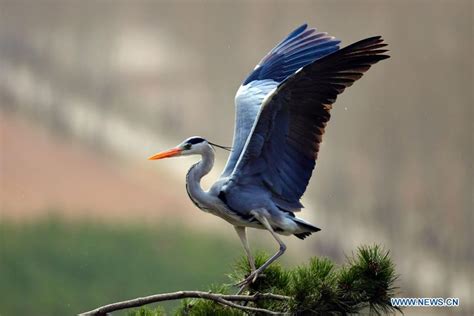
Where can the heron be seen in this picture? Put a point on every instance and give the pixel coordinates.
(282, 109)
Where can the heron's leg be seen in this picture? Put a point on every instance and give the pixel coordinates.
(253, 276)
(241, 231)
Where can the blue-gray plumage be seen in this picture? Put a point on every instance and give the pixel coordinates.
(282, 109)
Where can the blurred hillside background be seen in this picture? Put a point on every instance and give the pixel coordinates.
(89, 89)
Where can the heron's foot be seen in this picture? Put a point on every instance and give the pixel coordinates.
(250, 279)
(246, 282)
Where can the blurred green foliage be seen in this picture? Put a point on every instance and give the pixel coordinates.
(52, 267)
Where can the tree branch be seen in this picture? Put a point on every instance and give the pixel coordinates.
(219, 298)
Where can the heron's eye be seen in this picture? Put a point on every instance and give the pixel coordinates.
(187, 146)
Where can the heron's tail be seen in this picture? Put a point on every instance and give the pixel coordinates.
(307, 228)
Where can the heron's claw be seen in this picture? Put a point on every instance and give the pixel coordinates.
(250, 279)
(244, 283)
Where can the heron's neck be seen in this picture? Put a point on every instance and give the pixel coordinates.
(196, 173)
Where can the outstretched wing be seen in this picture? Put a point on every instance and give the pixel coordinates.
(301, 47)
(281, 151)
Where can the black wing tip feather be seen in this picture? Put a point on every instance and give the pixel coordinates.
(369, 45)
(382, 57)
(369, 41)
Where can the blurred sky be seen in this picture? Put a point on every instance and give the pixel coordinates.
(88, 89)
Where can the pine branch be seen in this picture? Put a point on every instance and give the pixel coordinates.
(219, 298)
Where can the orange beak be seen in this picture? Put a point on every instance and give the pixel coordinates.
(166, 154)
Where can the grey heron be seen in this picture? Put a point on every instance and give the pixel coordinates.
(282, 109)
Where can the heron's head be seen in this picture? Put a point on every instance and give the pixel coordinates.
(191, 146)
